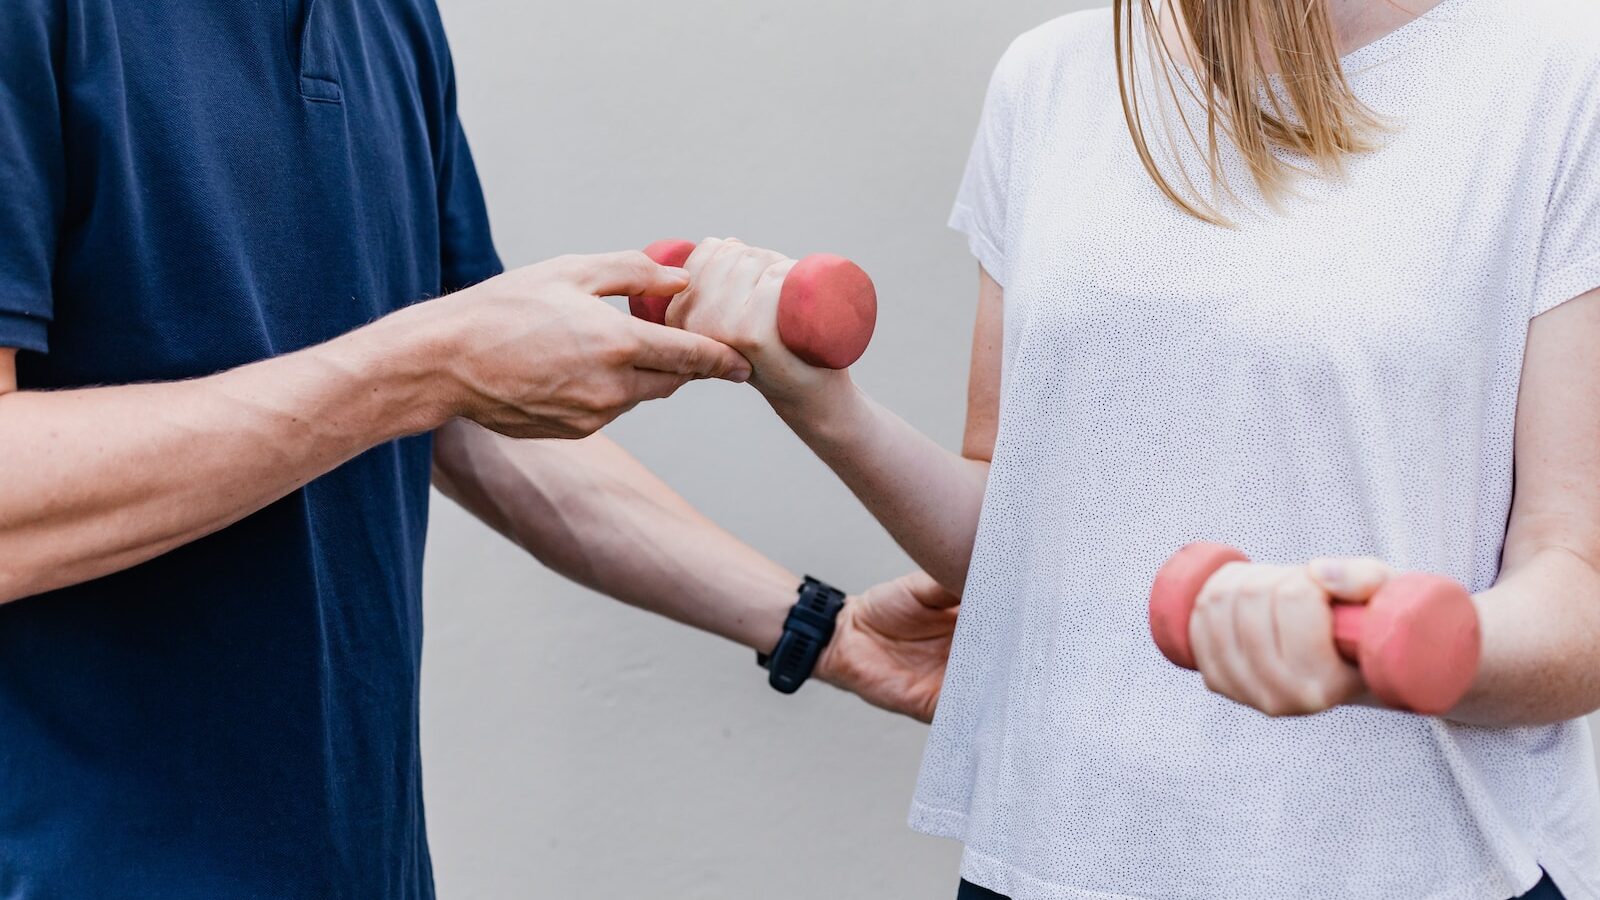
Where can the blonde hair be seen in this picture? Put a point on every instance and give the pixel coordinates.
(1307, 108)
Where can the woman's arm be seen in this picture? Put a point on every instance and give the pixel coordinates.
(594, 514)
(927, 497)
(1541, 620)
(1260, 632)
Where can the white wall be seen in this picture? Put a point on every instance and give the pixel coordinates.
(577, 749)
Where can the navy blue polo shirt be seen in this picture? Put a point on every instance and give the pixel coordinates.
(187, 186)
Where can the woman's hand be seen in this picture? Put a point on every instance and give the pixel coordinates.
(1263, 634)
(733, 298)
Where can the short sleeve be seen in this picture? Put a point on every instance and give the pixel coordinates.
(1569, 254)
(466, 249)
(32, 169)
(982, 201)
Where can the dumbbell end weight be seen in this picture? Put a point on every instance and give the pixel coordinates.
(1173, 594)
(828, 311)
(1418, 642)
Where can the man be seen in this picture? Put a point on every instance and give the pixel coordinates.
(217, 223)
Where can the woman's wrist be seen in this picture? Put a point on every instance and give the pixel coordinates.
(826, 411)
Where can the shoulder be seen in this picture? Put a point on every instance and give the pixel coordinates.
(1048, 71)
(1075, 38)
(1554, 39)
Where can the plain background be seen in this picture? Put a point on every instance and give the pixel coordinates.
(577, 749)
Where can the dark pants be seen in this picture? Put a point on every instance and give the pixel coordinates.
(1544, 890)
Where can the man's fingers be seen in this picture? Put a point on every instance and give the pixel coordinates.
(1350, 580)
(629, 273)
(684, 353)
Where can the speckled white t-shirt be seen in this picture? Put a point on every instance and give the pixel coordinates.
(1338, 378)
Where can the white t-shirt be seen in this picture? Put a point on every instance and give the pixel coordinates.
(1339, 378)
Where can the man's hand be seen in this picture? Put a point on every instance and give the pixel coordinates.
(534, 354)
(892, 644)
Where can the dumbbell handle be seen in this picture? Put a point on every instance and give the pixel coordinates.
(827, 310)
(1348, 622)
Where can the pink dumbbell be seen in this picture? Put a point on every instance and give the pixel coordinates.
(1417, 642)
(826, 312)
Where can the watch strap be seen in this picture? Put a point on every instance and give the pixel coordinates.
(806, 633)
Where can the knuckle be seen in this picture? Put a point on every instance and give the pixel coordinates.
(1289, 590)
(638, 262)
(775, 269)
(624, 348)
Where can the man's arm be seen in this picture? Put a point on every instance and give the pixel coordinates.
(100, 479)
(594, 514)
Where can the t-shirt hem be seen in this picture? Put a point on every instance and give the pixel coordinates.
(935, 822)
(986, 871)
(965, 220)
(20, 331)
(1574, 884)
(1570, 283)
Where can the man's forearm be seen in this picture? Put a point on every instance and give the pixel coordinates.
(594, 514)
(100, 479)
(927, 497)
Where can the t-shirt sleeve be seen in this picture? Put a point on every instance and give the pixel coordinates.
(981, 203)
(466, 249)
(32, 170)
(1569, 255)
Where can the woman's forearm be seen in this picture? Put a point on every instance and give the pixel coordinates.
(928, 498)
(1541, 643)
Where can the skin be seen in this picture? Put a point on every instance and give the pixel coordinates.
(592, 513)
(927, 497)
(102, 479)
(1262, 634)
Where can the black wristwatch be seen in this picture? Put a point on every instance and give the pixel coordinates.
(806, 634)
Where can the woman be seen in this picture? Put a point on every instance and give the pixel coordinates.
(1292, 275)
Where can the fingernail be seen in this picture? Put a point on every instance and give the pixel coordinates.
(674, 270)
(1328, 571)
(739, 376)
